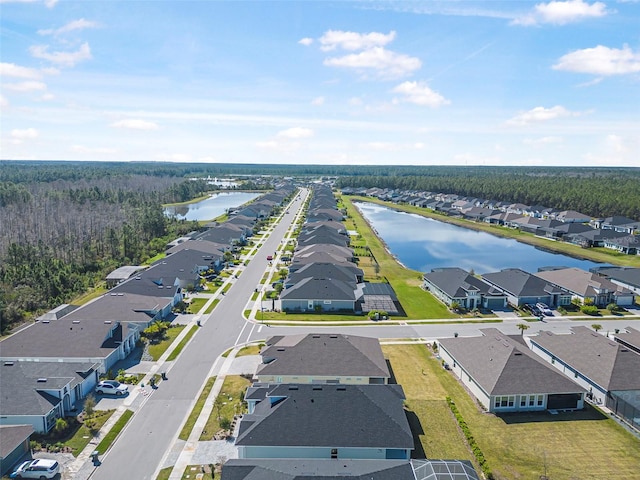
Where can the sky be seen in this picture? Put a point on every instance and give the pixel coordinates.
(366, 82)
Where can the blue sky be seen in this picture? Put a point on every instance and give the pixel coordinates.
(319, 82)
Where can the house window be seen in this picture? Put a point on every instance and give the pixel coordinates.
(532, 400)
(511, 401)
(327, 302)
(334, 453)
(523, 401)
(505, 402)
(540, 400)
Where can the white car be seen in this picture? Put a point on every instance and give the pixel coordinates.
(544, 308)
(40, 468)
(111, 387)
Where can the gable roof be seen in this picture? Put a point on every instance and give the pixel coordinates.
(605, 362)
(320, 289)
(316, 469)
(323, 354)
(11, 436)
(520, 283)
(627, 275)
(326, 270)
(457, 283)
(359, 416)
(630, 338)
(24, 384)
(580, 282)
(502, 365)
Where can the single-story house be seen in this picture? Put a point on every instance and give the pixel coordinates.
(571, 216)
(505, 376)
(38, 393)
(588, 286)
(629, 244)
(14, 445)
(121, 274)
(523, 288)
(376, 297)
(326, 270)
(309, 469)
(319, 294)
(325, 421)
(608, 370)
(619, 223)
(322, 358)
(457, 285)
(628, 277)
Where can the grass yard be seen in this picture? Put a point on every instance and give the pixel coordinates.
(110, 437)
(212, 306)
(250, 350)
(196, 304)
(197, 408)
(586, 445)
(192, 470)
(156, 350)
(230, 403)
(165, 473)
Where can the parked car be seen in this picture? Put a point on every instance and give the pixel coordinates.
(544, 308)
(111, 387)
(40, 468)
(269, 257)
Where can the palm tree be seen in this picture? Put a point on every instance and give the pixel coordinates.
(596, 326)
(522, 327)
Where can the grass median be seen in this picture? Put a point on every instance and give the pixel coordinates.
(197, 408)
(178, 350)
(111, 436)
(157, 349)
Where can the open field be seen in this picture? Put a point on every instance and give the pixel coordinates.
(578, 445)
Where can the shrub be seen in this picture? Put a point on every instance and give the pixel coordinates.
(589, 309)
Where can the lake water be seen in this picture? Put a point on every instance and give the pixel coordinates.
(211, 207)
(422, 244)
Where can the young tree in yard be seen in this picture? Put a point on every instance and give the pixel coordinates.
(89, 406)
(455, 306)
(61, 425)
(155, 332)
(596, 326)
(522, 327)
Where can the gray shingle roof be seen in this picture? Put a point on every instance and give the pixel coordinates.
(326, 270)
(367, 416)
(22, 392)
(626, 275)
(320, 289)
(11, 436)
(316, 469)
(502, 365)
(605, 362)
(520, 283)
(631, 337)
(456, 282)
(323, 354)
(580, 282)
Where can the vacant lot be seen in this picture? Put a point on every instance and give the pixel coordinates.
(581, 445)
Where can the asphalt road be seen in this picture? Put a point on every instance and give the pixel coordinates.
(152, 431)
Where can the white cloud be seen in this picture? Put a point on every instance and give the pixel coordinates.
(3, 101)
(296, 132)
(420, 94)
(356, 101)
(601, 60)
(549, 140)
(384, 63)
(50, 3)
(175, 157)
(333, 39)
(47, 97)
(135, 124)
(64, 59)
(25, 134)
(79, 24)
(28, 86)
(305, 41)
(318, 101)
(561, 13)
(92, 150)
(616, 143)
(541, 114)
(269, 144)
(13, 70)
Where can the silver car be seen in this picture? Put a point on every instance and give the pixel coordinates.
(111, 387)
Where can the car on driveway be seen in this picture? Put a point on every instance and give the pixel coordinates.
(544, 308)
(40, 468)
(111, 387)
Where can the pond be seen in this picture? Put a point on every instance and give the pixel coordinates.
(422, 244)
(210, 208)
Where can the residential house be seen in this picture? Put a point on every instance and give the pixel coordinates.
(42, 392)
(629, 244)
(326, 270)
(14, 445)
(319, 294)
(628, 277)
(376, 297)
(630, 339)
(571, 216)
(325, 421)
(121, 274)
(322, 358)
(593, 237)
(451, 285)
(606, 369)
(588, 287)
(619, 224)
(523, 288)
(505, 376)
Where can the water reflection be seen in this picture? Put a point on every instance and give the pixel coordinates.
(211, 207)
(423, 244)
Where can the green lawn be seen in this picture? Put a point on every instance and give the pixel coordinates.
(212, 306)
(110, 437)
(192, 470)
(234, 386)
(196, 304)
(164, 474)
(178, 350)
(197, 408)
(156, 350)
(250, 350)
(585, 444)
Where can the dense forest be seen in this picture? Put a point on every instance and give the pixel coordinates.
(65, 225)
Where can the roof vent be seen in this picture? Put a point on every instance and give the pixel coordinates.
(333, 336)
(293, 387)
(518, 353)
(280, 349)
(341, 388)
(8, 364)
(45, 321)
(76, 321)
(42, 380)
(624, 349)
(317, 387)
(108, 322)
(315, 336)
